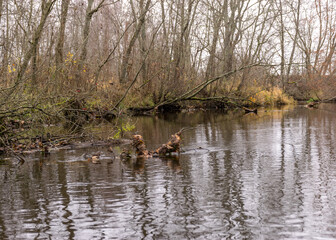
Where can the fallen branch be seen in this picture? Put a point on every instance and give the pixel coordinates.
(189, 95)
(249, 110)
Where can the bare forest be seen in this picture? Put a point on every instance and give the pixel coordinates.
(61, 59)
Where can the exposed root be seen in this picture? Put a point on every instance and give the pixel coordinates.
(140, 146)
(172, 146)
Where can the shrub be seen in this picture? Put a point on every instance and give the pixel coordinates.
(272, 97)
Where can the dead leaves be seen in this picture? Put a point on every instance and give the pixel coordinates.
(140, 146)
(172, 146)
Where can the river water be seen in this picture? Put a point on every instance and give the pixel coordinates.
(265, 176)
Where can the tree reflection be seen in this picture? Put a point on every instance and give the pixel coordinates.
(270, 176)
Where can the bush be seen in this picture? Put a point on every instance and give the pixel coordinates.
(272, 97)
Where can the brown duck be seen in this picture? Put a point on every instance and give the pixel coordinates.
(94, 157)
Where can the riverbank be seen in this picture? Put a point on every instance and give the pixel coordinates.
(62, 121)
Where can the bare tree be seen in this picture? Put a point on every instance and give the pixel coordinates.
(197, 41)
(124, 65)
(181, 48)
(1, 9)
(282, 41)
(85, 36)
(60, 42)
(296, 13)
(46, 7)
(217, 19)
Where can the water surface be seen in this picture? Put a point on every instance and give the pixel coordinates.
(265, 176)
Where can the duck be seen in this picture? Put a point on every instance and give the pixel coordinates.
(312, 105)
(125, 155)
(94, 157)
(110, 149)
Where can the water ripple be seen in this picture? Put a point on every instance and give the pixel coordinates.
(272, 176)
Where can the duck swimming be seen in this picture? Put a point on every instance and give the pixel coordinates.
(94, 157)
(125, 155)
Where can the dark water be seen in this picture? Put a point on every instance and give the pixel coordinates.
(271, 176)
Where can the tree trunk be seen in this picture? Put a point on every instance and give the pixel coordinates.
(46, 9)
(124, 65)
(297, 19)
(181, 47)
(228, 35)
(143, 47)
(210, 66)
(34, 69)
(85, 38)
(282, 46)
(1, 8)
(60, 41)
(5, 48)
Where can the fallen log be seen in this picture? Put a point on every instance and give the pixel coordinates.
(249, 110)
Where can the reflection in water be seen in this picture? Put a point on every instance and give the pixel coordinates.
(265, 176)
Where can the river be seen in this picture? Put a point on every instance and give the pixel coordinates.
(265, 176)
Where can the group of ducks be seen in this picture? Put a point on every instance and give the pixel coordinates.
(95, 157)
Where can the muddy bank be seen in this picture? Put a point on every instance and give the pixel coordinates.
(50, 147)
(181, 107)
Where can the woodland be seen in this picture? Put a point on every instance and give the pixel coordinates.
(67, 63)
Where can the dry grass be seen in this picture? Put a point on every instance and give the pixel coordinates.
(274, 96)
